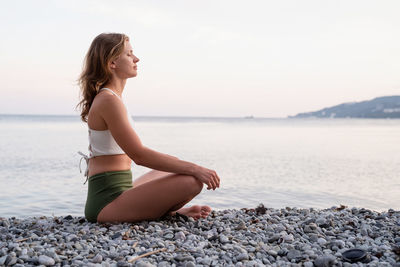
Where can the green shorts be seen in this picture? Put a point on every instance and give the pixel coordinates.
(103, 189)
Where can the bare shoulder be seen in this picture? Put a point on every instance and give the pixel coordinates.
(105, 103)
(105, 108)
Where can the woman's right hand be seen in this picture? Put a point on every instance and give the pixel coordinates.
(208, 177)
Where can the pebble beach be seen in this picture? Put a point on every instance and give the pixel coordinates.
(241, 237)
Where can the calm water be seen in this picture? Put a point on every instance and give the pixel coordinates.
(278, 162)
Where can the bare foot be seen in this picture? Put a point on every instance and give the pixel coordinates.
(195, 211)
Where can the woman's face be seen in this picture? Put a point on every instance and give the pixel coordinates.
(125, 65)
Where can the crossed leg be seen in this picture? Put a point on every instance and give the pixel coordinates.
(154, 195)
(195, 211)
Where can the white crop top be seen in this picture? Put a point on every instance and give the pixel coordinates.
(102, 143)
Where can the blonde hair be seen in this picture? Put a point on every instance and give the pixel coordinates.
(105, 48)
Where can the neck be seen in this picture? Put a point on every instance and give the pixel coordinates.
(117, 85)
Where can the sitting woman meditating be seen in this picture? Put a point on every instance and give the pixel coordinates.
(113, 144)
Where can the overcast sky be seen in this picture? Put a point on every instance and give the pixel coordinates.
(205, 58)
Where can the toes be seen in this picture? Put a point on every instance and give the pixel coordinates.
(198, 212)
(206, 209)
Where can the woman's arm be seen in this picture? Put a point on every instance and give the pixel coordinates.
(116, 118)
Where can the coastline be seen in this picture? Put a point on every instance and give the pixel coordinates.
(245, 237)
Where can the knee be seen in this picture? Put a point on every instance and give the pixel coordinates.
(194, 185)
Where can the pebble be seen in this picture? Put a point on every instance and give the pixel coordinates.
(324, 261)
(293, 255)
(223, 239)
(45, 260)
(272, 253)
(278, 237)
(190, 264)
(274, 238)
(288, 238)
(241, 226)
(242, 256)
(321, 241)
(97, 259)
(144, 264)
(180, 236)
(3, 259)
(206, 261)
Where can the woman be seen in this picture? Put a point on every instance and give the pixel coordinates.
(113, 144)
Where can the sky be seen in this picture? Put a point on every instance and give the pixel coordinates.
(204, 58)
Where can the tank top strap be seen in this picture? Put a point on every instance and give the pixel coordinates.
(108, 89)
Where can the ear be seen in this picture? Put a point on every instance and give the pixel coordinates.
(112, 65)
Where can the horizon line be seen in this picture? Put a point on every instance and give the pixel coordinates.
(155, 116)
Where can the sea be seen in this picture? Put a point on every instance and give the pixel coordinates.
(303, 163)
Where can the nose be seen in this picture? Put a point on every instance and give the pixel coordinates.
(135, 59)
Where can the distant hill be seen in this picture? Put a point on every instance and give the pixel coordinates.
(380, 107)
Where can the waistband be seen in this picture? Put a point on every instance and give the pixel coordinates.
(110, 181)
(123, 173)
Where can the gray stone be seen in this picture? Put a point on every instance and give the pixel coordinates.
(272, 253)
(71, 238)
(266, 261)
(251, 263)
(144, 264)
(288, 238)
(325, 261)
(180, 236)
(163, 264)
(223, 239)
(294, 255)
(169, 236)
(3, 259)
(122, 264)
(116, 235)
(274, 238)
(24, 257)
(13, 261)
(181, 257)
(97, 259)
(241, 226)
(46, 260)
(206, 261)
(321, 241)
(309, 229)
(242, 256)
(322, 222)
(313, 237)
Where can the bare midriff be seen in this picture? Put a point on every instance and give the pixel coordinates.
(109, 163)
